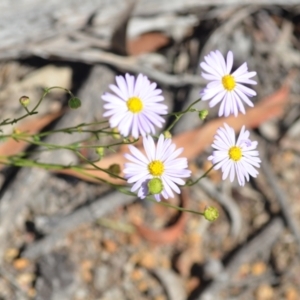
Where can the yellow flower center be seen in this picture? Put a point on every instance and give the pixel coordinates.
(135, 104)
(228, 82)
(235, 153)
(156, 168)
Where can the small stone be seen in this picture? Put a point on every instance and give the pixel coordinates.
(11, 254)
(291, 294)
(102, 278)
(113, 293)
(136, 274)
(258, 268)
(110, 246)
(160, 297)
(25, 279)
(86, 270)
(244, 270)
(147, 260)
(21, 263)
(143, 286)
(31, 292)
(269, 130)
(265, 292)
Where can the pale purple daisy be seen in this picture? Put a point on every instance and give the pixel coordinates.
(235, 157)
(134, 107)
(160, 167)
(229, 89)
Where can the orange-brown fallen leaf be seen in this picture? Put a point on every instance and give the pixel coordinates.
(197, 140)
(169, 234)
(148, 42)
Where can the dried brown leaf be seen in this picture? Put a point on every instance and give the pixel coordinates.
(148, 42)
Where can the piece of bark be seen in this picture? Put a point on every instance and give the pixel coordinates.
(172, 283)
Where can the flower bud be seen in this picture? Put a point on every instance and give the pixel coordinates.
(211, 213)
(155, 186)
(114, 169)
(167, 134)
(74, 103)
(24, 100)
(116, 134)
(100, 151)
(203, 114)
(16, 131)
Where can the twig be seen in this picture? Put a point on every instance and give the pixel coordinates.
(259, 244)
(227, 202)
(282, 200)
(129, 64)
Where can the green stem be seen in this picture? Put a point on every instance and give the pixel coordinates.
(19, 162)
(98, 168)
(175, 207)
(73, 147)
(178, 115)
(202, 176)
(33, 111)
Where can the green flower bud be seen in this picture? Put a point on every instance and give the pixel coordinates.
(211, 213)
(167, 134)
(24, 100)
(74, 103)
(100, 151)
(155, 186)
(116, 134)
(115, 169)
(203, 114)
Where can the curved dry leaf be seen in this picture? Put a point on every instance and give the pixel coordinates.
(169, 234)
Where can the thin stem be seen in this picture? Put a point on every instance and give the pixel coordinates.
(33, 111)
(74, 129)
(178, 115)
(98, 168)
(73, 147)
(19, 162)
(202, 176)
(175, 207)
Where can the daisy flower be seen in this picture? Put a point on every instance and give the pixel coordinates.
(229, 89)
(235, 157)
(134, 107)
(159, 171)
